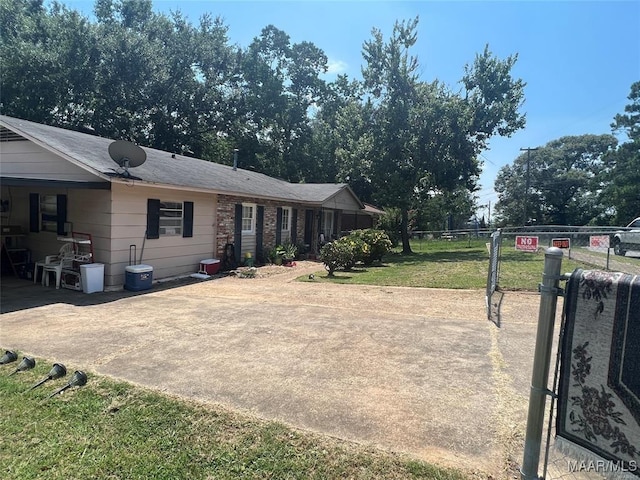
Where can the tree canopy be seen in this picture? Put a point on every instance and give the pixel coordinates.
(563, 180)
(621, 177)
(160, 81)
(425, 138)
(577, 180)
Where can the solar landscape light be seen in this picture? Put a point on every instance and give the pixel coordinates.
(78, 380)
(8, 357)
(57, 371)
(27, 363)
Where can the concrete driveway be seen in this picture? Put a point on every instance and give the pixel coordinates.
(420, 371)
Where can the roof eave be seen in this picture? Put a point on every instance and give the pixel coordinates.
(54, 150)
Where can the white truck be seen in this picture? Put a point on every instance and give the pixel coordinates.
(628, 239)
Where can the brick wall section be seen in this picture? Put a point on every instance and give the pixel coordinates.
(226, 221)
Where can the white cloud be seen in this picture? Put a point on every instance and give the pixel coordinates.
(336, 67)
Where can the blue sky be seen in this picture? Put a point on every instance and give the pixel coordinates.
(578, 58)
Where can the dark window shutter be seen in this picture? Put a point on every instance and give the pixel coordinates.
(308, 227)
(34, 212)
(237, 234)
(294, 225)
(260, 234)
(61, 205)
(278, 226)
(153, 218)
(187, 212)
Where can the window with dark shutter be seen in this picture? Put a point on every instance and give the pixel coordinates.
(188, 220)
(61, 214)
(278, 226)
(237, 234)
(34, 212)
(294, 226)
(47, 213)
(153, 218)
(260, 233)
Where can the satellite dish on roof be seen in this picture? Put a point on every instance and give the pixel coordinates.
(127, 155)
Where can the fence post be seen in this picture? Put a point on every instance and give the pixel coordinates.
(541, 360)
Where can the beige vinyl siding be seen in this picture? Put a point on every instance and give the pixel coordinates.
(25, 159)
(168, 255)
(341, 201)
(89, 211)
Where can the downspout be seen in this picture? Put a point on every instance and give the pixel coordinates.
(144, 239)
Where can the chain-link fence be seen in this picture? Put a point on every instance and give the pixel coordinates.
(589, 245)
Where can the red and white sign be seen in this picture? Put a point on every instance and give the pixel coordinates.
(526, 243)
(599, 241)
(561, 242)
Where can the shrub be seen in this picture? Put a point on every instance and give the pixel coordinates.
(336, 255)
(364, 246)
(376, 245)
(360, 249)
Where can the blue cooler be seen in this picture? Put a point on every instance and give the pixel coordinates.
(138, 277)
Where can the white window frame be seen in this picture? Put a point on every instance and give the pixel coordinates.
(249, 219)
(169, 226)
(49, 213)
(286, 219)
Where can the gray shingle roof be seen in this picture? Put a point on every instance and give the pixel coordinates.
(161, 168)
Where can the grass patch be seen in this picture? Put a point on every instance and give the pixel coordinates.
(461, 264)
(110, 429)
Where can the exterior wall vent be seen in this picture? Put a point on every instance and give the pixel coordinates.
(7, 135)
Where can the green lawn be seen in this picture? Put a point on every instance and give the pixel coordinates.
(114, 430)
(450, 264)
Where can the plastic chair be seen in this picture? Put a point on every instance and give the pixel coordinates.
(55, 263)
(65, 250)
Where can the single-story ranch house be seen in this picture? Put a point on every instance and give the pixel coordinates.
(175, 210)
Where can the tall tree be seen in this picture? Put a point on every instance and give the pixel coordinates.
(427, 138)
(332, 136)
(47, 56)
(563, 177)
(621, 179)
(282, 82)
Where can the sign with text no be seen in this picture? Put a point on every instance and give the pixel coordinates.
(561, 242)
(526, 243)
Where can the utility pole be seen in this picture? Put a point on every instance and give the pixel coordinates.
(526, 191)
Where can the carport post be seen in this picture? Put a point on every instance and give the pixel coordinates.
(541, 360)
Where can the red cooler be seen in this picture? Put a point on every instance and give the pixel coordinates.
(209, 266)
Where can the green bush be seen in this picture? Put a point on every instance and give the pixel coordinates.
(366, 246)
(337, 255)
(360, 250)
(376, 245)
